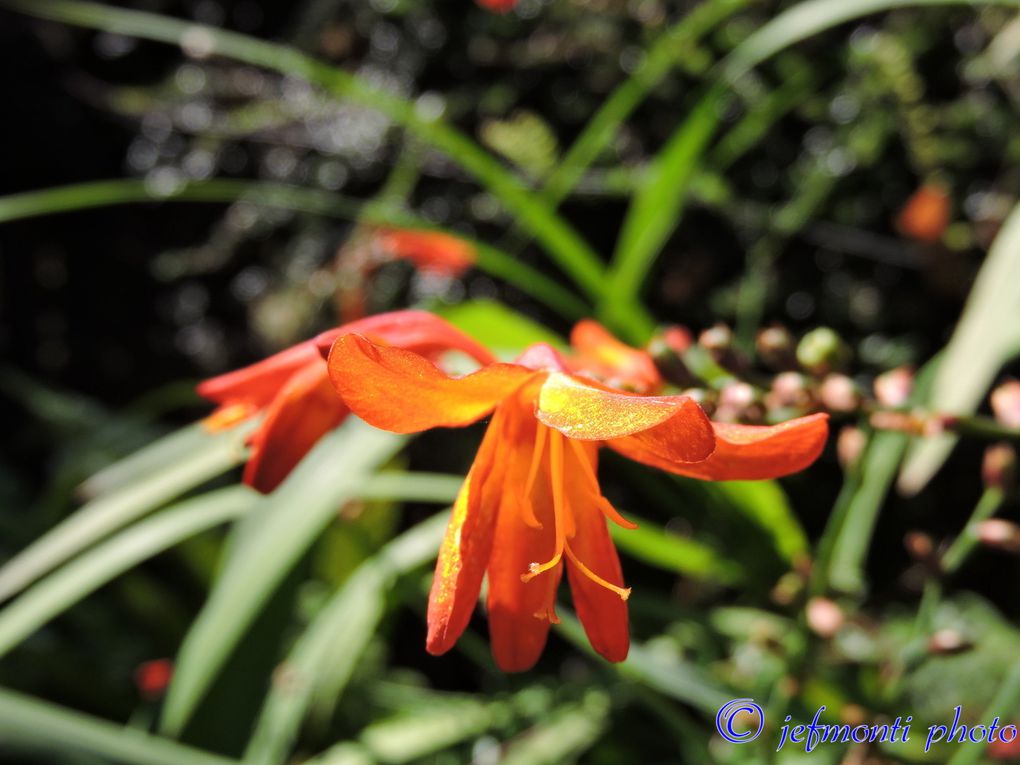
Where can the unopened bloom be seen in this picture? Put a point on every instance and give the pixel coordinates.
(531, 505)
(292, 390)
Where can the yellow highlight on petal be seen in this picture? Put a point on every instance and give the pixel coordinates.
(587, 413)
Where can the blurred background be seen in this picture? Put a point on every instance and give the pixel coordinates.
(854, 180)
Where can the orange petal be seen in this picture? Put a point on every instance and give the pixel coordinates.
(603, 613)
(304, 410)
(399, 390)
(257, 384)
(608, 359)
(746, 452)
(418, 331)
(430, 251)
(674, 427)
(464, 554)
(518, 611)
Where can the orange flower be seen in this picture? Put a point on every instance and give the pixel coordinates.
(498, 6)
(431, 252)
(601, 355)
(292, 389)
(531, 503)
(925, 216)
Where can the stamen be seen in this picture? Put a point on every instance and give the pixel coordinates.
(548, 613)
(528, 506)
(623, 592)
(589, 473)
(559, 508)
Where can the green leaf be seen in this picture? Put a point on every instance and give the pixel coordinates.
(267, 545)
(561, 242)
(986, 337)
(766, 504)
(327, 652)
(147, 461)
(664, 54)
(658, 667)
(74, 581)
(402, 486)
(44, 727)
(500, 328)
(428, 729)
(657, 547)
(209, 457)
(563, 735)
(654, 214)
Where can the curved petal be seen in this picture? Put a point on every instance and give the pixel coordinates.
(603, 613)
(746, 452)
(418, 331)
(674, 427)
(520, 612)
(256, 385)
(464, 553)
(303, 411)
(608, 359)
(399, 390)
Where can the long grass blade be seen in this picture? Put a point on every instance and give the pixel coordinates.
(266, 547)
(216, 454)
(325, 655)
(73, 582)
(986, 337)
(44, 727)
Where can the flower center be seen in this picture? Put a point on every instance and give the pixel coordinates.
(564, 523)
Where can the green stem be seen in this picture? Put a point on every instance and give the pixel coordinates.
(964, 544)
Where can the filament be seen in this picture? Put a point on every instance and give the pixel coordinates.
(593, 482)
(623, 592)
(528, 506)
(559, 509)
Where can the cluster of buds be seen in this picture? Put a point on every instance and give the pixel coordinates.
(810, 374)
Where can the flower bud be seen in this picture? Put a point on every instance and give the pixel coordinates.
(678, 339)
(893, 388)
(824, 617)
(850, 445)
(919, 546)
(821, 350)
(1000, 535)
(717, 339)
(1005, 402)
(948, 641)
(839, 393)
(998, 469)
(775, 347)
(667, 348)
(736, 402)
(789, 390)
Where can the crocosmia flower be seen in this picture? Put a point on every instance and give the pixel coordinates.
(292, 390)
(599, 354)
(431, 252)
(531, 506)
